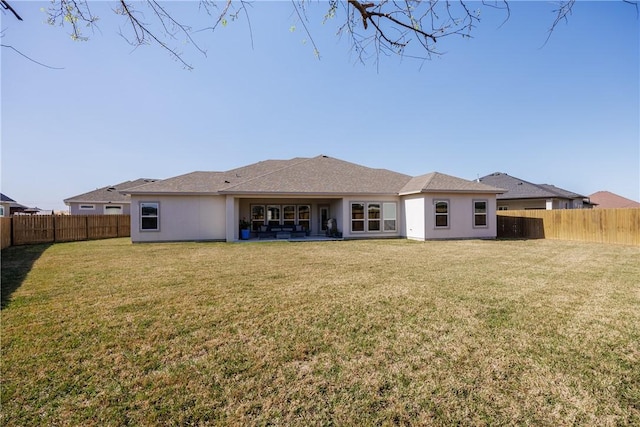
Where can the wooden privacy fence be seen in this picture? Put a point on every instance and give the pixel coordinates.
(620, 226)
(5, 232)
(31, 229)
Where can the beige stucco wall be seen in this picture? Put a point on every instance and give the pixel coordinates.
(182, 218)
(461, 217)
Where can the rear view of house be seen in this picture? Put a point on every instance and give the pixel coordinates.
(302, 195)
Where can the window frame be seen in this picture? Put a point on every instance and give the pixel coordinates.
(437, 214)
(86, 207)
(358, 220)
(385, 216)
(142, 216)
(476, 215)
(272, 220)
(374, 217)
(257, 219)
(289, 214)
(303, 222)
(112, 206)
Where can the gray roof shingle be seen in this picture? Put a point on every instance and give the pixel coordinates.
(316, 175)
(517, 188)
(110, 193)
(440, 182)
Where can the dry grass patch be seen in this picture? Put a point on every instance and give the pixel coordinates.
(346, 333)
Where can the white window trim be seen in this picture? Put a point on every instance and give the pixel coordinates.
(436, 214)
(297, 212)
(385, 218)
(486, 213)
(369, 220)
(364, 217)
(145, 230)
(86, 207)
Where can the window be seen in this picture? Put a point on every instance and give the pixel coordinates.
(1, 210)
(373, 216)
(87, 207)
(480, 213)
(357, 217)
(503, 208)
(113, 209)
(304, 217)
(257, 217)
(442, 214)
(149, 216)
(273, 215)
(289, 214)
(389, 216)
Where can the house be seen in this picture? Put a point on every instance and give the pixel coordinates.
(609, 200)
(522, 195)
(8, 206)
(308, 196)
(104, 201)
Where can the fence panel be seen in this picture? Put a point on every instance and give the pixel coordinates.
(71, 228)
(5, 232)
(124, 225)
(620, 226)
(32, 229)
(102, 226)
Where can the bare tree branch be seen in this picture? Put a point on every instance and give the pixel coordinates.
(142, 31)
(316, 52)
(6, 6)
(29, 58)
(407, 28)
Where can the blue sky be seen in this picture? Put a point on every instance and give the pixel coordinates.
(564, 113)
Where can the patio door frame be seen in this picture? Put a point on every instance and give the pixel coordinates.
(324, 214)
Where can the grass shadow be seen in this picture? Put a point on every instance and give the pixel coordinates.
(17, 262)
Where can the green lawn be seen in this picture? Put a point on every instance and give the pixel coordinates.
(327, 333)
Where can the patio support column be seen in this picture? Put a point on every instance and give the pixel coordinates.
(232, 218)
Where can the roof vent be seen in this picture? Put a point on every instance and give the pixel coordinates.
(111, 189)
(227, 182)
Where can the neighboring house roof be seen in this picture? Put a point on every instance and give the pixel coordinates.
(560, 192)
(4, 198)
(517, 188)
(12, 203)
(110, 193)
(609, 200)
(315, 175)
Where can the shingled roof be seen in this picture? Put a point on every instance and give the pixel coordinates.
(517, 188)
(609, 200)
(110, 193)
(316, 175)
(439, 182)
